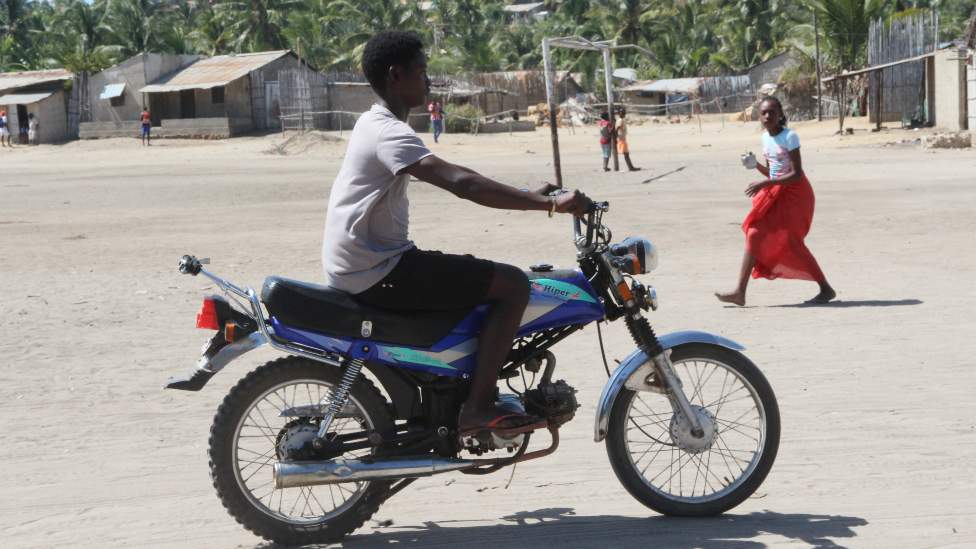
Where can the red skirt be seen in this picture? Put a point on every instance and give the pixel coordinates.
(775, 228)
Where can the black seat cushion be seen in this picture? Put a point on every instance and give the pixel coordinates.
(330, 311)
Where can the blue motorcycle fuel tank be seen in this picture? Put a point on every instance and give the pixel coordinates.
(557, 298)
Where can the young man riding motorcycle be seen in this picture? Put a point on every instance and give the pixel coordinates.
(367, 252)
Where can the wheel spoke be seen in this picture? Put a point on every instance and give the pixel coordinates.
(715, 469)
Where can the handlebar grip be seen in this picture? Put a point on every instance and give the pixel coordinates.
(190, 265)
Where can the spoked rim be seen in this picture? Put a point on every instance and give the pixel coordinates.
(255, 453)
(722, 467)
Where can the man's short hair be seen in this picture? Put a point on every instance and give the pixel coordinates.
(389, 48)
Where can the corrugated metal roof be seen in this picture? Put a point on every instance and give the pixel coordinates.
(25, 98)
(215, 71)
(520, 8)
(15, 80)
(680, 85)
(112, 90)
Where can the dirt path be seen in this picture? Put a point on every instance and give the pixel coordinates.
(876, 390)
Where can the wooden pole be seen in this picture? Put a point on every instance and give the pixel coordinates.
(608, 78)
(816, 42)
(301, 103)
(551, 97)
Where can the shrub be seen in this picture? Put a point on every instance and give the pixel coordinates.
(461, 125)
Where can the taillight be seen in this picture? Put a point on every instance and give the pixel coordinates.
(207, 317)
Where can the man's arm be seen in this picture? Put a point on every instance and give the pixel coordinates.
(469, 185)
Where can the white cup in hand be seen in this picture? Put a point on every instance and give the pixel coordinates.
(749, 161)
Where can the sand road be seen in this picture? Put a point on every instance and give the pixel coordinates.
(876, 390)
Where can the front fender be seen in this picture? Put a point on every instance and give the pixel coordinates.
(206, 368)
(639, 357)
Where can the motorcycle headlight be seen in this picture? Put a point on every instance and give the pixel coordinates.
(642, 249)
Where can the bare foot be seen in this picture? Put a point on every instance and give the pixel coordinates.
(823, 297)
(736, 298)
(479, 419)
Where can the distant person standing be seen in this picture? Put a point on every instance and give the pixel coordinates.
(33, 125)
(622, 147)
(4, 130)
(605, 132)
(146, 126)
(436, 118)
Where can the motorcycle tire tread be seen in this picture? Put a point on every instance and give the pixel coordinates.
(221, 436)
(634, 483)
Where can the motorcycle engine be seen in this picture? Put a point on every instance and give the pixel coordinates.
(553, 401)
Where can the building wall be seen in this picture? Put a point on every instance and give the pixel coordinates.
(971, 95)
(950, 89)
(258, 81)
(771, 70)
(237, 101)
(352, 97)
(52, 114)
(135, 73)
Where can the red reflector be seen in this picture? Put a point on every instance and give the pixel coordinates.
(207, 317)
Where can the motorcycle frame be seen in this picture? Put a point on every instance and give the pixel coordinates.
(630, 374)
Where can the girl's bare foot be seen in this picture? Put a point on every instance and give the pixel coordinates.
(737, 298)
(823, 297)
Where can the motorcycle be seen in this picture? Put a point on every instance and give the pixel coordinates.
(305, 448)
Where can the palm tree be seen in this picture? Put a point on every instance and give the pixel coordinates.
(845, 25)
(257, 24)
(131, 27)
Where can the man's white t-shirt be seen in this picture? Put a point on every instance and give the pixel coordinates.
(366, 228)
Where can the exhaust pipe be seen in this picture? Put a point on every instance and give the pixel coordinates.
(313, 473)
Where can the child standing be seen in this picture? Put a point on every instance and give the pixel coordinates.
(146, 127)
(436, 118)
(32, 129)
(4, 130)
(782, 211)
(604, 125)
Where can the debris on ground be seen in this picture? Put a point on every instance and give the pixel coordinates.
(959, 140)
(310, 143)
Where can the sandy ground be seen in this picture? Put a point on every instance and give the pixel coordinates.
(876, 390)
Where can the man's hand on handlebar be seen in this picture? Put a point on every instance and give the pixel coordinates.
(573, 202)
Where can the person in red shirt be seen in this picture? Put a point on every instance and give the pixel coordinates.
(436, 118)
(146, 127)
(605, 129)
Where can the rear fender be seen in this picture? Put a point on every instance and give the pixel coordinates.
(632, 363)
(207, 367)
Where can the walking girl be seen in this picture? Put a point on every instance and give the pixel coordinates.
(782, 211)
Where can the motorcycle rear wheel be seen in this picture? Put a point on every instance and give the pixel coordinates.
(245, 442)
(663, 469)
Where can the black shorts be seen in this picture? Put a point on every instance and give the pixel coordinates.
(432, 281)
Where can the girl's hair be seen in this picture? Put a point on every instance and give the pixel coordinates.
(782, 115)
(605, 116)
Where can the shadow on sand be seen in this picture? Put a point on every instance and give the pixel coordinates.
(646, 181)
(561, 527)
(846, 304)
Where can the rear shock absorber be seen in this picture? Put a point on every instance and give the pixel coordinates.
(643, 334)
(339, 398)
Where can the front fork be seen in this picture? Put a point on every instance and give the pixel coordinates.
(643, 334)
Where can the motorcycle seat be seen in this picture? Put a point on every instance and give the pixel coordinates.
(333, 312)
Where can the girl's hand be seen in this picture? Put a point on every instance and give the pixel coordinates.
(753, 188)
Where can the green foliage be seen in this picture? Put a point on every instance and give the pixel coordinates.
(463, 124)
(700, 38)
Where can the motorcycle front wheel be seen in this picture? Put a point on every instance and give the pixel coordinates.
(667, 469)
(266, 412)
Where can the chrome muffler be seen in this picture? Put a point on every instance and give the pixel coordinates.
(312, 473)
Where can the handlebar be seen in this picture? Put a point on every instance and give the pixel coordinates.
(591, 222)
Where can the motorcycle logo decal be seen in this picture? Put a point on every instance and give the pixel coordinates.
(401, 354)
(561, 290)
